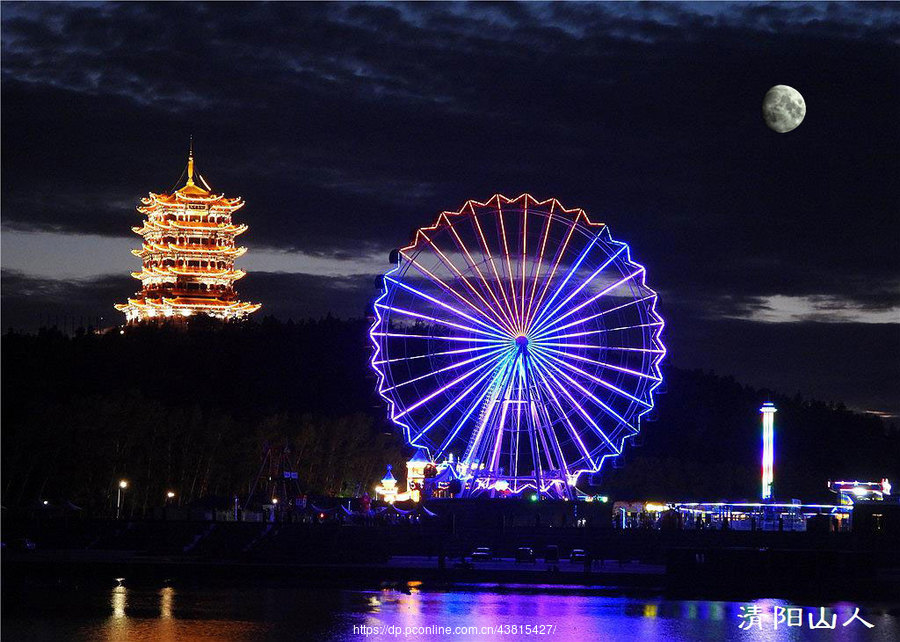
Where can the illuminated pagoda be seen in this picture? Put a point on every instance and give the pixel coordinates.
(188, 255)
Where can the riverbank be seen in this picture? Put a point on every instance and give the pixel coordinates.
(810, 579)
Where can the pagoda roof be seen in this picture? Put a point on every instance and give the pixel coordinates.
(192, 192)
(173, 248)
(181, 225)
(172, 271)
(190, 303)
(420, 457)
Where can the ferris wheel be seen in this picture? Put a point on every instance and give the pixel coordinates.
(518, 339)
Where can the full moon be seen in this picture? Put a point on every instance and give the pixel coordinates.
(783, 108)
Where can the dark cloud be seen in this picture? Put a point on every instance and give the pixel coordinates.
(345, 126)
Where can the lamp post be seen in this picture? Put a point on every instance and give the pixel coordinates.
(123, 484)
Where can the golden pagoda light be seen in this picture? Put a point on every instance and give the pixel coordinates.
(188, 255)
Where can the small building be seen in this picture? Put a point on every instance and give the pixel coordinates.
(387, 490)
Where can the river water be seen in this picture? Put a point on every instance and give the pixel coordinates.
(409, 612)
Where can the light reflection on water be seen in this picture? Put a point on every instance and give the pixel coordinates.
(187, 613)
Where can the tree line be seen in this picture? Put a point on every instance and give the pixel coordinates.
(193, 410)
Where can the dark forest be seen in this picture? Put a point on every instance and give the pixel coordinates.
(194, 410)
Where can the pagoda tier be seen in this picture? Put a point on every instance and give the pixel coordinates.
(188, 255)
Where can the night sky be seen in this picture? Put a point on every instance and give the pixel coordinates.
(345, 127)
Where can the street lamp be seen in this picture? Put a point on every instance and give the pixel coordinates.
(170, 494)
(123, 484)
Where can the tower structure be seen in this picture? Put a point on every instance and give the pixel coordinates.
(188, 255)
(768, 453)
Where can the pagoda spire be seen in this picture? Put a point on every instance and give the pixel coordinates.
(190, 167)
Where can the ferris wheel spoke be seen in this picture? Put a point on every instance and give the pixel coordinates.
(444, 388)
(500, 426)
(547, 315)
(652, 324)
(523, 263)
(602, 364)
(462, 421)
(440, 337)
(493, 329)
(597, 315)
(498, 312)
(446, 306)
(590, 394)
(537, 273)
(509, 273)
(425, 317)
(569, 274)
(454, 366)
(498, 436)
(534, 428)
(544, 426)
(557, 260)
(490, 257)
(449, 407)
(551, 441)
(597, 346)
(596, 379)
(596, 400)
(498, 388)
(550, 323)
(577, 405)
(430, 355)
(447, 262)
(565, 417)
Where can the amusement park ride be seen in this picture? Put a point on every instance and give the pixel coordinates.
(517, 345)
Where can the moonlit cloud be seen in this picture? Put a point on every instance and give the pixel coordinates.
(818, 309)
